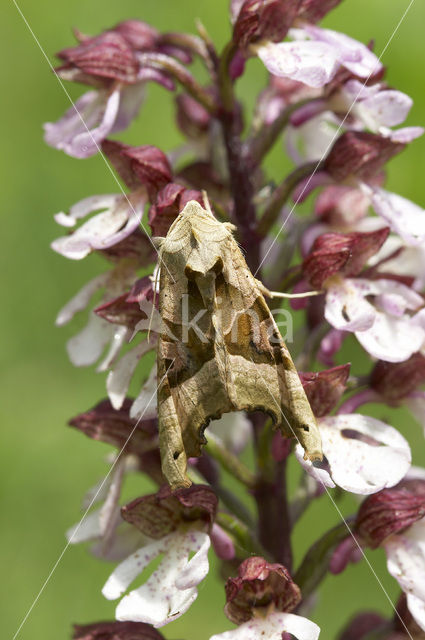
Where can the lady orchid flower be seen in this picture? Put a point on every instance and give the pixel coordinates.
(110, 63)
(176, 525)
(394, 519)
(362, 455)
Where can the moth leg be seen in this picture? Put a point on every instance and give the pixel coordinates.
(278, 294)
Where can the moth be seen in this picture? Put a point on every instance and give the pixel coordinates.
(219, 349)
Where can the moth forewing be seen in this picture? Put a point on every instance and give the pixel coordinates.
(219, 349)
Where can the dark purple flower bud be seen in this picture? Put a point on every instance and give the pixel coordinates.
(170, 201)
(264, 20)
(125, 310)
(387, 512)
(362, 624)
(116, 631)
(344, 253)
(145, 165)
(360, 154)
(325, 388)
(139, 35)
(113, 426)
(159, 514)
(395, 381)
(315, 10)
(259, 584)
(106, 56)
(192, 118)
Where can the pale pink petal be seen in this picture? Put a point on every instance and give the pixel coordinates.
(197, 567)
(132, 97)
(388, 108)
(235, 7)
(391, 339)
(416, 607)
(145, 403)
(80, 301)
(404, 217)
(406, 562)
(124, 574)
(233, 429)
(87, 529)
(272, 627)
(403, 297)
(119, 378)
(360, 467)
(87, 346)
(313, 63)
(222, 543)
(320, 475)
(406, 134)
(171, 588)
(83, 127)
(353, 55)
(119, 339)
(416, 404)
(346, 305)
(109, 514)
(312, 140)
(84, 207)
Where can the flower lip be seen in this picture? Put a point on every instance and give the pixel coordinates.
(159, 514)
(258, 585)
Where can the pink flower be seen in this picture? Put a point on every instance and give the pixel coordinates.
(172, 587)
(119, 216)
(315, 56)
(364, 455)
(383, 326)
(109, 63)
(394, 520)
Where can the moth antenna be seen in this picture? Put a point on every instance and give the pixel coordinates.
(305, 294)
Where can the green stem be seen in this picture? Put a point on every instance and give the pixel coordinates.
(181, 74)
(315, 564)
(230, 462)
(281, 195)
(242, 534)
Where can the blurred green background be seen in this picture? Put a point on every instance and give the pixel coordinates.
(45, 466)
